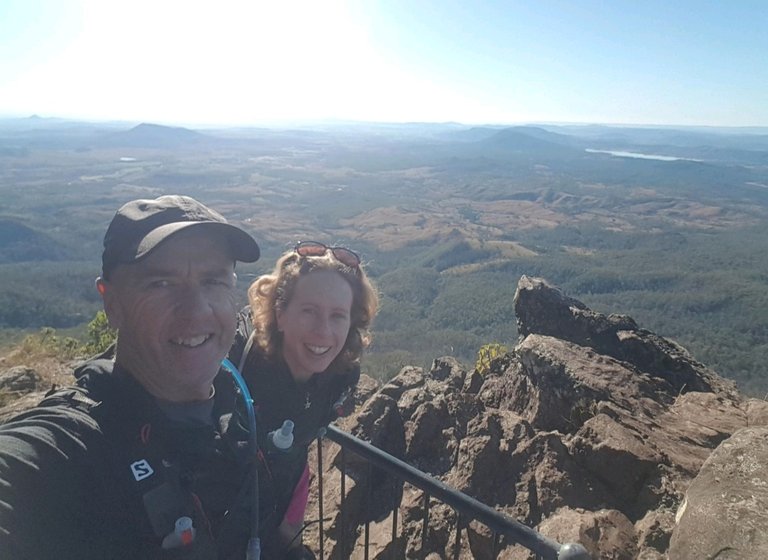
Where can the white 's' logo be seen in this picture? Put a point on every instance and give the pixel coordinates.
(141, 470)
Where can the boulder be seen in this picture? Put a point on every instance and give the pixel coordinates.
(725, 511)
(21, 379)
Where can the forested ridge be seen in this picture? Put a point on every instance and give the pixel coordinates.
(446, 226)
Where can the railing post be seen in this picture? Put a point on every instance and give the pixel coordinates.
(342, 501)
(457, 541)
(394, 548)
(368, 497)
(425, 526)
(320, 494)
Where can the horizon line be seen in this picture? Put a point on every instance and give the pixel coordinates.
(344, 121)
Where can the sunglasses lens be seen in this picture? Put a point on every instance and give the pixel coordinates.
(311, 249)
(346, 257)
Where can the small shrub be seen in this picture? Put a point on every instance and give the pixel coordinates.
(486, 355)
(46, 343)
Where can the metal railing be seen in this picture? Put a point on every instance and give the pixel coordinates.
(467, 508)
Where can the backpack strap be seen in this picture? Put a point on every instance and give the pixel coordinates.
(246, 350)
(245, 336)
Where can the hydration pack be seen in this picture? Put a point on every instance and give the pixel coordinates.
(154, 487)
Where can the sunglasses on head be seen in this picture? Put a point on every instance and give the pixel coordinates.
(345, 256)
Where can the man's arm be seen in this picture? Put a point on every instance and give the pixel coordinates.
(44, 475)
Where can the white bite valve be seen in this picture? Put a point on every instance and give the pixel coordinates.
(283, 438)
(183, 534)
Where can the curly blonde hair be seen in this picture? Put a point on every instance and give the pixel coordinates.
(271, 293)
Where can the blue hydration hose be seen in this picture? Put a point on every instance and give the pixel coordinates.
(253, 551)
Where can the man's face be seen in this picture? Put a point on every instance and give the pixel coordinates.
(175, 311)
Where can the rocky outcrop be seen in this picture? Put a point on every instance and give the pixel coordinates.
(540, 309)
(23, 386)
(591, 429)
(20, 389)
(19, 379)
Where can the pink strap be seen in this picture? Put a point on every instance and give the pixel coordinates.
(295, 513)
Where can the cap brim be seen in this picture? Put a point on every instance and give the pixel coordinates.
(244, 247)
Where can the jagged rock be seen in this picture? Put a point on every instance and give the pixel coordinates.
(382, 425)
(502, 386)
(365, 389)
(485, 466)
(21, 388)
(590, 429)
(551, 478)
(561, 383)
(448, 369)
(617, 455)
(757, 412)
(472, 382)
(655, 529)
(24, 386)
(725, 513)
(22, 379)
(542, 309)
(431, 440)
(409, 378)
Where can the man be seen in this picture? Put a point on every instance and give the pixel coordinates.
(150, 440)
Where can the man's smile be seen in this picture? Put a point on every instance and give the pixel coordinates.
(192, 342)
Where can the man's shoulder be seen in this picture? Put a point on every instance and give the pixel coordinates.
(66, 413)
(56, 457)
(50, 451)
(63, 419)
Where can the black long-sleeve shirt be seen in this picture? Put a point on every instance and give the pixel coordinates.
(70, 469)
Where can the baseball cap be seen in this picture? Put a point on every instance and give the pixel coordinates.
(141, 225)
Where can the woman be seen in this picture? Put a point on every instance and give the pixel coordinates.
(299, 345)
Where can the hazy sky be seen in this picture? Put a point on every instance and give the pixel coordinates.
(247, 62)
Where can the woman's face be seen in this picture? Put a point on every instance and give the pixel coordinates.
(315, 323)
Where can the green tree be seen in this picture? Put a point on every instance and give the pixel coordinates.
(99, 334)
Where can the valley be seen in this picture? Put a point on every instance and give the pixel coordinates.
(447, 219)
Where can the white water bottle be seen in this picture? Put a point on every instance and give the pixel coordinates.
(282, 439)
(183, 534)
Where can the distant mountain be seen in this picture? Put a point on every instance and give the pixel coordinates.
(531, 140)
(753, 139)
(32, 122)
(147, 135)
(544, 134)
(495, 142)
(19, 243)
(474, 134)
